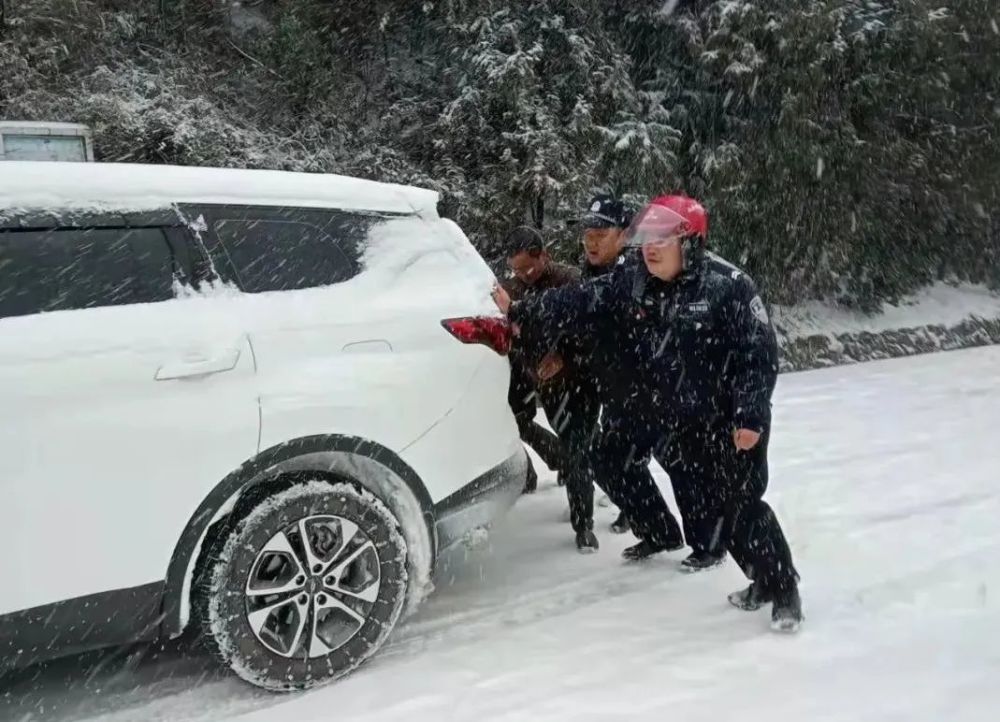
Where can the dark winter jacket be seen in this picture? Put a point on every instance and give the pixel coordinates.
(578, 344)
(530, 347)
(556, 275)
(590, 272)
(700, 349)
(577, 350)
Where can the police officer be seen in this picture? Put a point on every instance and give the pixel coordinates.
(604, 227)
(603, 233)
(699, 360)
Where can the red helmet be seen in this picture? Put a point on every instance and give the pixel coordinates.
(669, 216)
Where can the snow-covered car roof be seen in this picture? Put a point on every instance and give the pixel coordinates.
(121, 186)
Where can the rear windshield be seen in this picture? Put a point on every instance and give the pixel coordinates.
(286, 249)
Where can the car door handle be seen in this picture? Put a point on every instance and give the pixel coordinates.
(199, 366)
(373, 346)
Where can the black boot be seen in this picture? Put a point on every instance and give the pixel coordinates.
(620, 525)
(586, 542)
(786, 614)
(701, 560)
(531, 482)
(645, 549)
(750, 599)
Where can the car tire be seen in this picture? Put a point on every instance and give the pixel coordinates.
(284, 616)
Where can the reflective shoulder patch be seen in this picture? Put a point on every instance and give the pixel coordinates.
(724, 266)
(758, 309)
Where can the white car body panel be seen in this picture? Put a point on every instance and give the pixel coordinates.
(102, 465)
(387, 370)
(472, 437)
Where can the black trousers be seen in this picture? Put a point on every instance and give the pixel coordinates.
(722, 489)
(701, 511)
(699, 501)
(573, 408)
(620, 457)
(521, 397)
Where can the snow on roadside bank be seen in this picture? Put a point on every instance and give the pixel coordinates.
(941, 317)
(940, 304)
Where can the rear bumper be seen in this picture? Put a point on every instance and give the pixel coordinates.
(480, 503)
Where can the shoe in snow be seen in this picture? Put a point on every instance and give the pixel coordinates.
(674, 546)
(586, 542)
(646, 549)
(620, 525)
(750, 599)
(699, 561)
(604, 501)
(531, 482)
(786, 613)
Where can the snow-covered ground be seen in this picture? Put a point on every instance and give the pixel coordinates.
(887, 479)
(940, 304)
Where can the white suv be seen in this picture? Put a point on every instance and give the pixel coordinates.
(254, 401)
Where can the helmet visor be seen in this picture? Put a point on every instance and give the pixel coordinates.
(656, 226)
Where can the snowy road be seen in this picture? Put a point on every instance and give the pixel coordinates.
(887, 478)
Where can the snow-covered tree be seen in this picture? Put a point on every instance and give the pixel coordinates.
(846, 148)
(828, 135)
(539, 109)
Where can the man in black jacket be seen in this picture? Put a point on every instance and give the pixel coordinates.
(555, 374)
(603, 225)
(604, 228)
(698, 364)
(533, 271)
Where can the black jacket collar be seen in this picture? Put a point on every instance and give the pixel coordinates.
(644, 282)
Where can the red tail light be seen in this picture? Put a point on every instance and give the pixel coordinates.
(487, 330)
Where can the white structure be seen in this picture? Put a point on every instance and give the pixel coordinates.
(29, 140)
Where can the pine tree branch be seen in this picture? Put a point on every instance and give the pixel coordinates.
(254, 60)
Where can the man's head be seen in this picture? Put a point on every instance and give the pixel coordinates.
(604, 230)
(526, 254)
(668, 230)
(664, 258)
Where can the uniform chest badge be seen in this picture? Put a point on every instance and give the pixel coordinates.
(698, 307)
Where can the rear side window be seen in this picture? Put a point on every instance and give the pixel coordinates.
(63, 269)
(288, 249)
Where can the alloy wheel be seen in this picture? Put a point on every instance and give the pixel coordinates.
(312, 586)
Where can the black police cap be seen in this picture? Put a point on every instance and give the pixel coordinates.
(605, 211)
